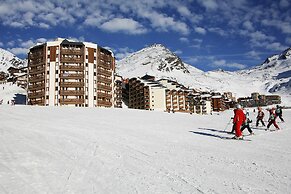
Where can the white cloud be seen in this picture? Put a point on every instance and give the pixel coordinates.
(276, 46)
(253, 55)
(19, 51)
(209, 4)
(184, 11)
(200, 30)
(284, 26)
(178, 52)
(217, 30)
(122, 52)
(184, 39)
(284, 4)
(125, 25)
(248, 25)
(223, 63)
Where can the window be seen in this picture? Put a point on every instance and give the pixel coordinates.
(57, 71)
(56, 88)
(86, 97)
(57, 79)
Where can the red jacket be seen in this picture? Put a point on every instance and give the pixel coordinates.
(239, 116)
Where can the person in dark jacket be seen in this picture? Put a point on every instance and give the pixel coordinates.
(260, 117)
(279, 112)
(246, 124)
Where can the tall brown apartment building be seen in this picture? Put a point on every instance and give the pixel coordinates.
(65, 72)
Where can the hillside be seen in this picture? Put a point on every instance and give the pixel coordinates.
(273, 76)
(7, 59)
(133, 151)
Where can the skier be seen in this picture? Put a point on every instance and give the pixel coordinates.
(260, 117)
(246, 124)
(279, 112)
(272, 119)
(238, 120)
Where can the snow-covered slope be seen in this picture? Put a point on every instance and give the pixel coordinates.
(89, 150)
(7, 59)
(273, 76)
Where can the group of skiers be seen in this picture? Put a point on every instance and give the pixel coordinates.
(241, 120)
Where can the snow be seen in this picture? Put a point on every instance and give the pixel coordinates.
(8, 91)
(95, 150)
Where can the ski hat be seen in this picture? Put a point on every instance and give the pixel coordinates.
(238, 106)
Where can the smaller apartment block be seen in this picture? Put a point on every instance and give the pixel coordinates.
(257, 99)
(164, 95)
(69, 73)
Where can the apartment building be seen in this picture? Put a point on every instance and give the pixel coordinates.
(69, 73)
(164, 95)
(118, 85)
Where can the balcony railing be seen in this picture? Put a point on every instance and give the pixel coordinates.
(36, 71)
(71, 101)
(72, 76)
(72, 68)
(104, 103)
(71, 92)
(103, 79)
(104, 87)
(37, 102)
(71, 60)
(105, 65)
(36, 63)
(72, 51)
(36, 79)
(72, 84)
(104, 72)
(36, 87)
(104, 95)
(36, 94)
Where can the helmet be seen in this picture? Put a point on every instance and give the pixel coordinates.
(238, 106)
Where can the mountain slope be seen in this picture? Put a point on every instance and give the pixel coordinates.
(7, 59)
(273, 76)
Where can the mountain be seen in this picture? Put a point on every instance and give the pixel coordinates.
(7, 59)
(272, 76)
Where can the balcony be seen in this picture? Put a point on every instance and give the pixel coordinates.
(72, 76)
(71, 51)
(72, 84)
(36, 94)
(104, 95)
(104, 103)
(103, 79)
(71, 101)
(71, 92)
(105, 65)
(36, 63)
(71, 60)
(36, 79)
(37, 102)
(36, 87)
(37, 71)
(72, 68)
(104, 87)
(104, 72)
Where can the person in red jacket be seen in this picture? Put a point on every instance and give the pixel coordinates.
(238, 120)
(272, 119)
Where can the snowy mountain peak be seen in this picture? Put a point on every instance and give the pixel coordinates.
(7, 59)
(285, 54)
(152, 60)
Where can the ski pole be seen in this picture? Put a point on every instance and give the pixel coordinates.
(227, 125)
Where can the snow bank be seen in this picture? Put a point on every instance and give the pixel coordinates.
(88, 150)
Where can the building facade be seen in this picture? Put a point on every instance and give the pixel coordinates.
(69, 73)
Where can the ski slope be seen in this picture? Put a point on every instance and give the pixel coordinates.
(89, 150)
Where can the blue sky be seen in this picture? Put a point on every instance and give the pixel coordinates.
(208, 34)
